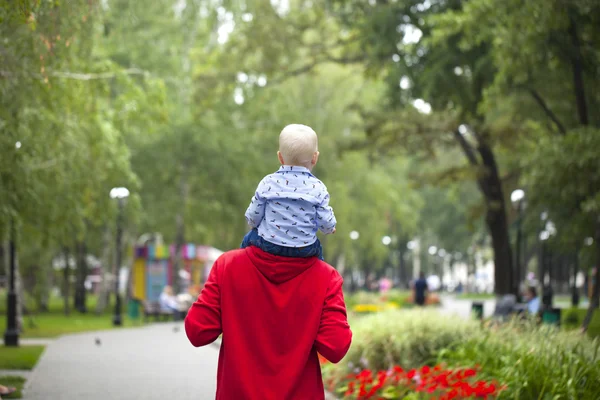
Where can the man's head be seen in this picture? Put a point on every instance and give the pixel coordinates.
(298, 145)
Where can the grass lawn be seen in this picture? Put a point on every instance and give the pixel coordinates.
(13, 381)
(22, 357)
(55, 323)
(475, 296)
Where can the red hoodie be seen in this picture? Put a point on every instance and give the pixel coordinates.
(275, 314)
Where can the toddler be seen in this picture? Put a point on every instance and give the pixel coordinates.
(290, 205)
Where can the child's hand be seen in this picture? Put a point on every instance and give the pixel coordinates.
(333, 231)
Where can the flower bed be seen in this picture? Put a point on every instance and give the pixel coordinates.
(372, 308)
(438, 382)
(369, 302)
(527, 360)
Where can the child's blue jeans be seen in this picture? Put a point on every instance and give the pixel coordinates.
(252, 238)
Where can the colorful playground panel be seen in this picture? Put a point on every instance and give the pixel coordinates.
(152, 267)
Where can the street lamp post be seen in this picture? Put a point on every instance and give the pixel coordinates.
(386, 241)
(11, 335)
(547, 294)
(517, 197)
(119, 193)
(414, 247)
(354, 235)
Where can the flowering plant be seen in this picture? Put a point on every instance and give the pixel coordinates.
(432, 383)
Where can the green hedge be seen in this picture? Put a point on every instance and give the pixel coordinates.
(534, 362)
(572, 318)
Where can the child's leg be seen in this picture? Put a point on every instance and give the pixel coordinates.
(320, 255)
(313, 250)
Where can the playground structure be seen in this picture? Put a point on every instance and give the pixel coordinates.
(152, 268)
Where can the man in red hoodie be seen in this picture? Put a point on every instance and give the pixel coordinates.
(275, 314)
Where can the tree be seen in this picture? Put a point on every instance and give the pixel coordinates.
(537, 64)
(397, 42)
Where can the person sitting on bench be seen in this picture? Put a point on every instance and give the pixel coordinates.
(533, 301)
(168, 302)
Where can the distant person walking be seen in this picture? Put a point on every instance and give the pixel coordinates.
(420, 289)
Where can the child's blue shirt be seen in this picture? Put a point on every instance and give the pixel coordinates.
(289, 206)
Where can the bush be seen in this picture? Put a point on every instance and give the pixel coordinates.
(533, 361)
(410, 338)
(572, 318)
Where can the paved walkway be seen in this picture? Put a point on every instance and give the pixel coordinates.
(152, 362)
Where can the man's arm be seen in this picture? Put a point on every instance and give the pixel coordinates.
(325, 217)
(256, 210)
(203, 320)
(334, 335)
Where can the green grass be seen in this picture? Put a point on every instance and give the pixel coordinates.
(475, 296)
(22, 357)
(13, 381)
(54, 325)
(54, 322)
(572, 319)
(55, 303)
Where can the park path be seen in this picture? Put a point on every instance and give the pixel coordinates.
(153, 362)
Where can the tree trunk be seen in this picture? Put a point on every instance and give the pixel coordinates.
(79, 303)
(595, 299)
(367, 273)
(496, 222)
(577, 67)
(104, 294)
(180, 227)
(402, 275)
(44, 305)
(574, 290)
(490, 186)
(66, 281)
(21, 308)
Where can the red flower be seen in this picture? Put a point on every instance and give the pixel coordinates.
(411, 374)
(362, 391)
(470, 372)
(425, 370)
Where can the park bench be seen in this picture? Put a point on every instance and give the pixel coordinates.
(507, 307)
(152, 309)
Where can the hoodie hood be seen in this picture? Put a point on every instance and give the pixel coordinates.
(278, 269)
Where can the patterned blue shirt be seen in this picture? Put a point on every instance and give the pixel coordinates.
(289, 207)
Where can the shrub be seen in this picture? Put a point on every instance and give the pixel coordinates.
(533, 361)
(572, 318)
(410, 338)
